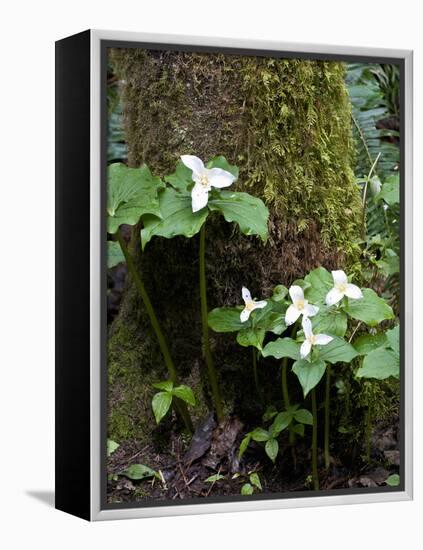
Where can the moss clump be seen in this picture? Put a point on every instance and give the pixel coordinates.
(286, 124)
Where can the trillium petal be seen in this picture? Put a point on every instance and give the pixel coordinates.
(305, 349)
(220, 178)
(259, 305)
(246, 294)
(199, 196)
(291, 315)
(323, 339)
(352, 291)
(310, 310)
(339, 277)
(245, 315)
(333, 297)
(307, 327)
(296, 293)
(193, 163)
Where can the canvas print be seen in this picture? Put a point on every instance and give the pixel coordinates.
(253, 276)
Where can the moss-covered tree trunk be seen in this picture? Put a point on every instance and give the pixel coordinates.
(286, 124)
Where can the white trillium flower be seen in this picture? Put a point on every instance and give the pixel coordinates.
(342, 288)
(250, 305)
(312, 339)
(205, 179)
(299, 306)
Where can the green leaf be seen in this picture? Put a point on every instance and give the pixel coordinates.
(370, 309)
(390, 191)
(247, 489)
(270, 321)
(338, 350)
(369, 342)
(393, 480)
(380, 364)
(282, 421)
(279, 293)
(250, 213)
(244, 444)
(214, 478)
(269, 413)
(309, 374)
(226, 319)
(251, 337)
(259, 434)
(299, 429)
(167, 385)
(138, 471)
(255, 480)
(272, 449)
(181, 179)
(282, 347)
(393, 337)
(185, 393)
(111, 446)
(161, 404)
(304, 416)
(114, 254)
(131, 193)
(221, 162)
(320, 281)
(177, 218)
(330, 320)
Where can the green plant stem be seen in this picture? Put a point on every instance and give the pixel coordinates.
(256, 380)
(204, 314)
(315, 474)
(327, 417)
(179, 405)
(363, 220)
(368, 434)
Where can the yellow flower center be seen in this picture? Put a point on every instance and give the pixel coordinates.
(204, 180)
(249, 306)
(342, 287)
(312, 340)
(300, 304)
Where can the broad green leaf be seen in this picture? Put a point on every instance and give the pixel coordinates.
(282, 347)
(337, 351)
(390, 191)
(181, 179)
(138, 471)
(111, 446)
(214, 478)
(114, 254)
(259, 434)
(370, 309)
(320, 281)
(369, 342)
(282, 421)
(393, 480)
(331, 321)
(380, 364)
(393, 337)
(279, 293)
(249, 212)
(161, 404)
(255, 480)
(167, 385)
(309, 374)
(244, 444)
(177, 218)
(221, 162)
(269, 413)
(247, 489)
(226, 319)
(271, 321)
(299, 429)
(185, 393)
(251, 337)
(272, 448)
(131, 193)
(304, 416)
